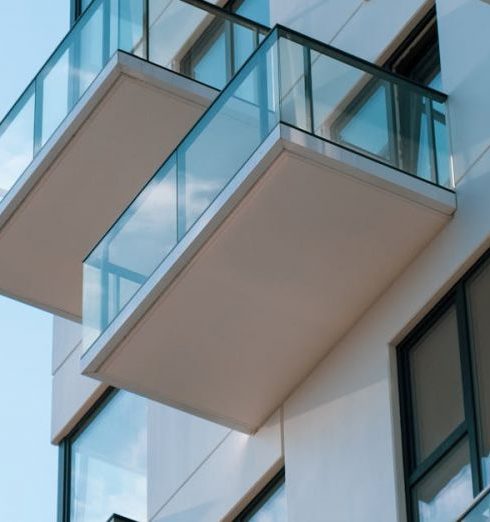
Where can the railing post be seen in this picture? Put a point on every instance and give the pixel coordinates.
(310, 123)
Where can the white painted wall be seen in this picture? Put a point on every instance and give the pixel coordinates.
(73, 393)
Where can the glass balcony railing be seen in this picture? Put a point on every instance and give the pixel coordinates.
(289, 79)
(479, 511)
(192, 38)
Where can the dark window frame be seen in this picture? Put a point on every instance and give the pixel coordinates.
(456, 297)
(261, 498)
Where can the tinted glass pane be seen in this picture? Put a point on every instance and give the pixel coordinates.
(273, 509)
(368, 126)
(109, 463)
(131, 26)
(257, 10)
(479, 310)
(447, 490)
(91, 46)
(210, 68)
(437, 396)
(292, 86)
(55, 94)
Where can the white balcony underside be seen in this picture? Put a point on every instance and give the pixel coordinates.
(282, 264)
(113, 141)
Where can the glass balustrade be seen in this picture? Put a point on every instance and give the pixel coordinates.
(290, 79)
(175, 34)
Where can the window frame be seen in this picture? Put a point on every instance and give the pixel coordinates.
(457, 296)
(264, 494)
(65, 454)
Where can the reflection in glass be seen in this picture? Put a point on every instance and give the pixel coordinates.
(257, 10)
(210, 68)
(480, 512)
(437, 393)
(273, 509)
(109, 463)
(368, 126)
(17, 141)
(447, 490)
(189, 181)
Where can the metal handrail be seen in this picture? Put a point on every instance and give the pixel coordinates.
(473, 505)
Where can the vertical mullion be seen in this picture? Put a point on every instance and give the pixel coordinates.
(408, 446)
(308, 90)
(181, 189)
(468, 389)
(106, 31)
(229, 50)
(146, 29)
(64, 481)
(434, 174)
(395, 137)
(38, 113)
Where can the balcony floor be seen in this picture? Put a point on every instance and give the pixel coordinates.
(126, 124)
(283, 263)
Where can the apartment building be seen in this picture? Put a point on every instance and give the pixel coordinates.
(263, 227)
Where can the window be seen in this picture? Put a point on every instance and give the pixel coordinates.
(444, 370)
(224, 47)
(269, 505)
(378, 117)
(104, 462)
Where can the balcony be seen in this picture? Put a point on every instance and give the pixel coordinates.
(110, 104)
(479, 511)
(309, 184)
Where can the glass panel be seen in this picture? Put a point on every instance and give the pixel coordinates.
(205, 161)
(351, 106)
(244, 44)
(131, 251)
(16, 141)
(257, 10)
(292, 87)
(85, 4)
(442, 145)
(174, 28)
(437, 393)
(91, 49)
(368, 126)
(210, 66)
(447, 490)
(273, 509)
(56, 94)
(131, 26)
(479, 305)
(109, 462)
(220, 144)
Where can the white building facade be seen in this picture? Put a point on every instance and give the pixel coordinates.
(289, 322)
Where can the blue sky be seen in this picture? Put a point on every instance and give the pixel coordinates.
(29, 31)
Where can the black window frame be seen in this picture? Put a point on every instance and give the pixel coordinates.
(456, 297)
(261, 498)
